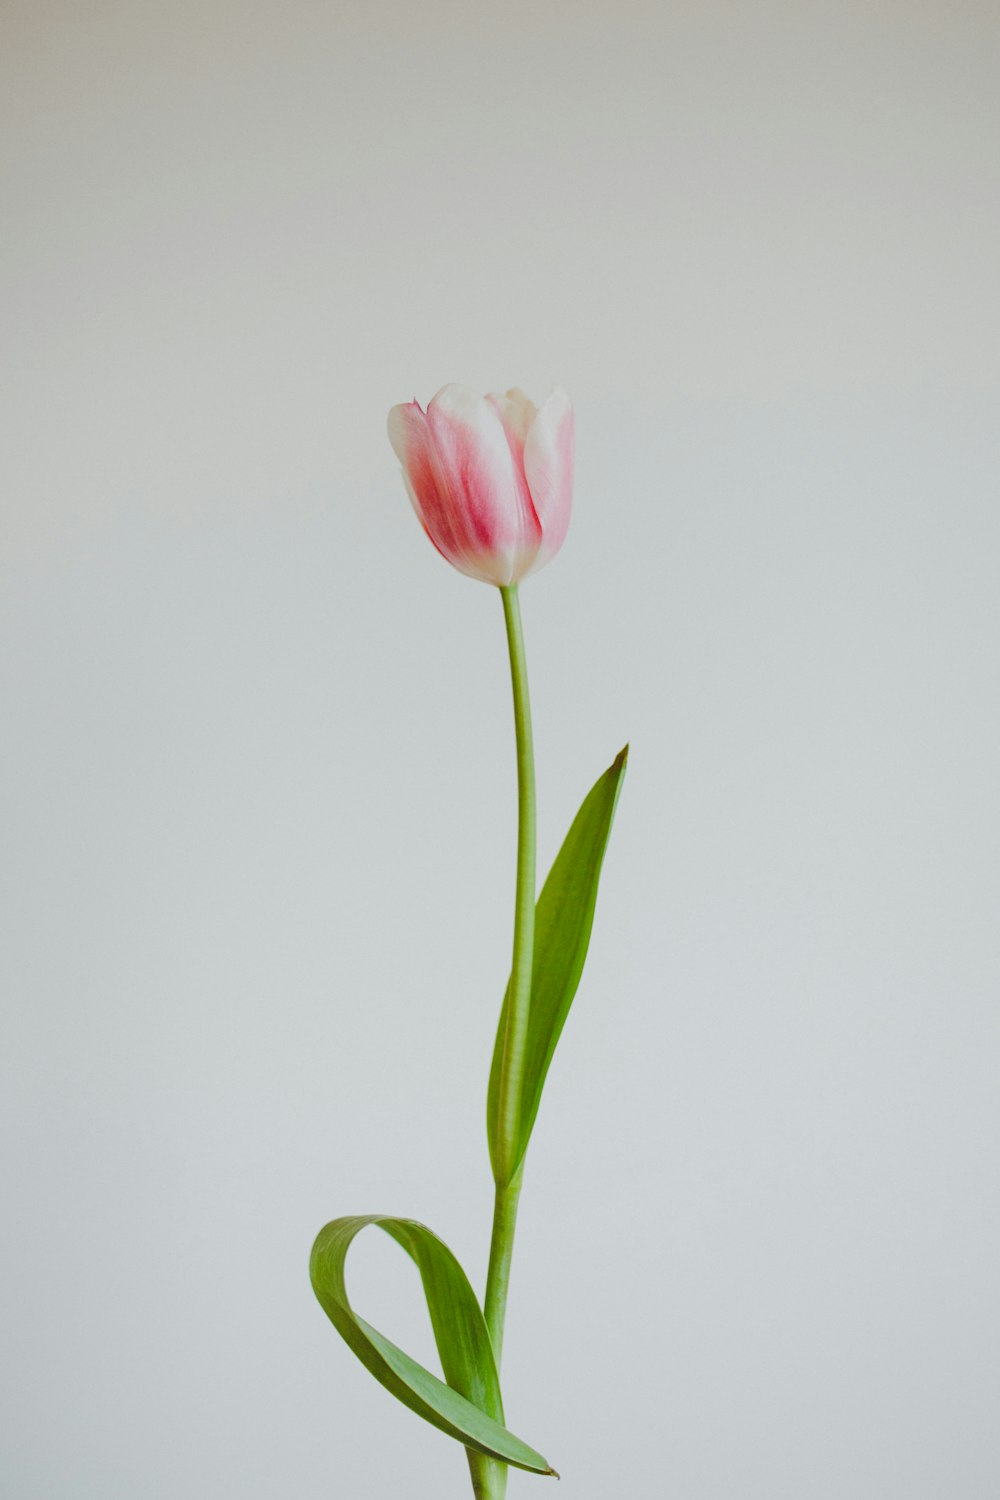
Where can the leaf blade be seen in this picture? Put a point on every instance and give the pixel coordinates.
(564, 918)
(467, 1405)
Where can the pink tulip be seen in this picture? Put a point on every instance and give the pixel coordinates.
(491, 478)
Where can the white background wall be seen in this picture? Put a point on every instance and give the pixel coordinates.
(259, 786)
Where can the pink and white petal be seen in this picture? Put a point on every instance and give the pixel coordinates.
(410, 437)
(548, 468)
(411, 441)
(480, 485)
(517, 412)
(451, 554)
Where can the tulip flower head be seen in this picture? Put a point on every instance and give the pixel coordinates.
(490, 478)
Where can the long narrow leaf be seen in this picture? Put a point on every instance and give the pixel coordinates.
(564, 917)
(468, 1407)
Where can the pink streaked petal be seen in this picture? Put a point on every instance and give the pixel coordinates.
(411, 441)
(487, 567)
(548, 467)
(481, 485)
(409, 434)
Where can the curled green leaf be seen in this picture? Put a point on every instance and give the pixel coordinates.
(468, 1407)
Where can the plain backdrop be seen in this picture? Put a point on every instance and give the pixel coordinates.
(258, 775)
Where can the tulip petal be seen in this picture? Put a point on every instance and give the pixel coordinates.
(481, 488)
(517, 412)
(409, 434)
(548, 468)
(411, 440)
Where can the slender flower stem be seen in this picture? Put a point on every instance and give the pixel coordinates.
(512, 1069)
(489, 1477)
(507, 1169)
(501, 1250)
(492, 1477)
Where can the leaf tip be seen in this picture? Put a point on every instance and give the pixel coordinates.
(551, 1473)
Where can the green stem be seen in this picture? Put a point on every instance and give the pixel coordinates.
(508, 1173)
(501, 1250)
(507, 1170)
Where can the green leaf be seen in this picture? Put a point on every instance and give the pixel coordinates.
(468, 1407)
(564, 917)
